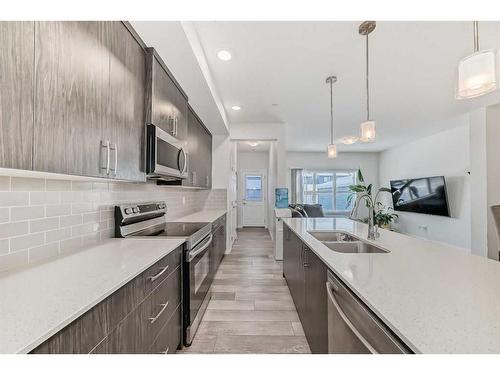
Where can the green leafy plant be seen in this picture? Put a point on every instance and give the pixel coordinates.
(381, 217)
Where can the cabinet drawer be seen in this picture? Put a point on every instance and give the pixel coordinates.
(139, 329)
(132, 294)
(169, 338)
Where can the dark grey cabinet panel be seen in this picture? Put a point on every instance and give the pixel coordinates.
(199, 153)
(16, 94)
(169, 337)
(305, 275)
(71, 96)
(122, 322)
(316, 306)
(293, 268)
(125, 125)
(166, 103)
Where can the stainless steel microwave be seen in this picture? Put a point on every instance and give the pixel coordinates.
(166, 158)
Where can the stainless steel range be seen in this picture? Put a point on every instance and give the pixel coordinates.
(148, 219)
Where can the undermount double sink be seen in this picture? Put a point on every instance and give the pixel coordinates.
(343, 242)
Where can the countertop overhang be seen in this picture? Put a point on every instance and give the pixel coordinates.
(437, 298)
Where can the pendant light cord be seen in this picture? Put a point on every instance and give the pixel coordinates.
(367, 83)
(331, 110)
(476, 36)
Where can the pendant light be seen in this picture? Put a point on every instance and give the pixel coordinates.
(368, 127)
(477, 73)
(332, 148)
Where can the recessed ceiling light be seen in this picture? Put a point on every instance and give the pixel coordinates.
(253, 144)
(224, 55)
(235, 107)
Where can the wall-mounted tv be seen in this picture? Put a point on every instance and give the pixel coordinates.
(425, 195)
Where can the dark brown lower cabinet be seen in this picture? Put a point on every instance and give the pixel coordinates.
(144, 311)
(306, 275)
(219, 242)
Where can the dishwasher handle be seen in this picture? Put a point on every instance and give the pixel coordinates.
(366, 344)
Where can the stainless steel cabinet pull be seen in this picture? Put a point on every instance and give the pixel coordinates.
(105, 144)
(346, 320)
(162, 271)
(176, 125)
(155, 318)
(114, 147)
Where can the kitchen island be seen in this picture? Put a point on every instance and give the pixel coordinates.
(435, 297)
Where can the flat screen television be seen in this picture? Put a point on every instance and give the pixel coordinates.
(425, 195)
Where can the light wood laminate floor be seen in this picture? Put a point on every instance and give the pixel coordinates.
(251, 310)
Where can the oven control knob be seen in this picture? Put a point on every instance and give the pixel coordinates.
(135, 210)
(128, 211)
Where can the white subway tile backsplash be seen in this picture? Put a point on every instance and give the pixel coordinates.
(24, 213)
(57, 235)
(4, 215)
(4, 246)
(70, 220)
(57, 210)
(27, 184)
(4, 183)
(12, 260)
(43, 252)
(24, 242)
(42, 197)
(13, 229)
(43, 218)
(58, 185)
(43, 225)
(10, 199)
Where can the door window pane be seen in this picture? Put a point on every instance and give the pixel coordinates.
(253, 188)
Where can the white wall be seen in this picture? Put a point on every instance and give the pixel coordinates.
(252, 161)
(478, 185)
(447, 154)
(263, 131)
(493, 174)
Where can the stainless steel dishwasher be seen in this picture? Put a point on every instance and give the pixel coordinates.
(353, 328)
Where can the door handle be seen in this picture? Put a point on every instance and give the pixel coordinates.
(114, 147)
(105, 144)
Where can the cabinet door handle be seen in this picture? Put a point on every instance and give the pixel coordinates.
(162, 271)
(306, 258)
(155, 318)
(176, 122)
(106, 146)
(114, 147)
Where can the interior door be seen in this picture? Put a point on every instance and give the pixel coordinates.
(253, 199)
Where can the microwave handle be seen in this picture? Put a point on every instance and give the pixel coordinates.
(184, 167)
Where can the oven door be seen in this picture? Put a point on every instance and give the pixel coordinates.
(200, 280)
(165, 155)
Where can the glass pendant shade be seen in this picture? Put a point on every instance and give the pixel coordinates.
(477, 74)
(331, 151)
(368, 131)
(349, 140)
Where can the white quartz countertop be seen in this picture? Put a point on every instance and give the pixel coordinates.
(205, 216)
(437, 298)
(38, 301)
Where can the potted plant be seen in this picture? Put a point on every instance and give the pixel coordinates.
(382, 214)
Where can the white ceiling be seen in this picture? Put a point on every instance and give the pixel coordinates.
(413, 67)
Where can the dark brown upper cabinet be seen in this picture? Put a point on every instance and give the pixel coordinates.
(199, 142)
(89, 99)
(16, 94)
(166, 102)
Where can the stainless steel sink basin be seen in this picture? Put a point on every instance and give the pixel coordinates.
(345, 243)
(332, 236)
(353, 247)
